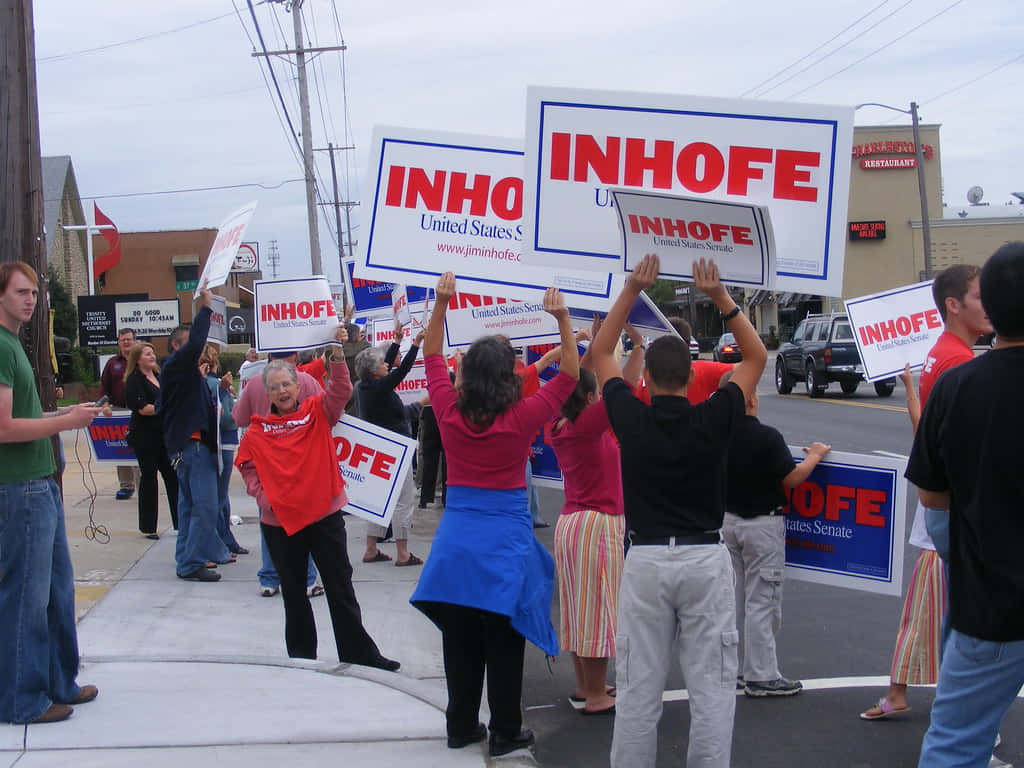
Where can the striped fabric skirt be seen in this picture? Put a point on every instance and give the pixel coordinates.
(915, 661)
(589, 561)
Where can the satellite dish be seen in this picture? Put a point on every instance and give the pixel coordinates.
(974, 195)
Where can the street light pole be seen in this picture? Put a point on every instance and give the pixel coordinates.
(926, 230)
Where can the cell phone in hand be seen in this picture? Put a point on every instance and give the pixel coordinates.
(102, 401)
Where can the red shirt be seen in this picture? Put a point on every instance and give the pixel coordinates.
(494, 456)
(706, 375)
(588, 456)
(529, 376)
(315, 368)
(949, 351)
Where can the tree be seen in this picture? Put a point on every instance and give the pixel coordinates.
(662, 292)
(65, 318)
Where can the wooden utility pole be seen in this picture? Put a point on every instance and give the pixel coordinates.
(21, 184)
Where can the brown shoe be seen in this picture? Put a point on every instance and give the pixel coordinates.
(55, 714)
(87, 694)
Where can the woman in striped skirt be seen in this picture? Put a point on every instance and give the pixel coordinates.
(588, 542)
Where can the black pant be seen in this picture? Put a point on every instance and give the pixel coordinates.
(433, 456)
(325, 541)
(476, 641)
(152, 457)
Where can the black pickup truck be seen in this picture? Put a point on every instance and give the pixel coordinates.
(821, 351)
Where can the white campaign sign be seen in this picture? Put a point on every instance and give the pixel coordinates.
(446, 201)
(738, 236)
(400, 304)
(147, 318)
(225, 247)
(294, 314)
(894, 328)
(373, 463)
(792, 158)
(523, 322)
(218, 321)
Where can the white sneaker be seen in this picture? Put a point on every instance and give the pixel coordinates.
(269, 591)
(995, 762)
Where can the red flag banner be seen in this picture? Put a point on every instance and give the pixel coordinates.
(112, 257)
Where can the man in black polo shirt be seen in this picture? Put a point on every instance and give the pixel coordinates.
(678, 578)
(760, 467)
(967, 459)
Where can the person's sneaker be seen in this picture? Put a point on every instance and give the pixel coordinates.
(86, 694)
(269, 591)
(201, 574)
(123, 494)
(500, 745)
(458, 742)
(778, 687)
(741, 684)
(55, 714)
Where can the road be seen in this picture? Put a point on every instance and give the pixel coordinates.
(827, 633)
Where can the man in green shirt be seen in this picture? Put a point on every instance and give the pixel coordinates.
(38, 640)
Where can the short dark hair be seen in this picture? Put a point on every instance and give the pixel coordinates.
(682, 327)
(177, 337)
(490, 385)
(952, 283)
(122, 331)
(577, 401)
(1002, 290)
(8, 268)
(668, 362)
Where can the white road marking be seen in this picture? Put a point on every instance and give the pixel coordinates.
(821, 684)
(542, 706)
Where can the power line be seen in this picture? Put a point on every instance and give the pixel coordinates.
(191, 189)
(972, 81)
(132, 41)
(814, 51)
(877, 50)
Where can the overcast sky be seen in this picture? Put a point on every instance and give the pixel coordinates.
(190, 108)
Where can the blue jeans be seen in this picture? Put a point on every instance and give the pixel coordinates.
(532, 495)
(198, 509)
(978, 682)
(38, 639)
(224, 519)
(268, 573)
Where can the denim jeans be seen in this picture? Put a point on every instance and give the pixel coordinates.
(38, 640)
(268, 573)
(224, 502)
(978, 682)
(532, 495)
(198, 509)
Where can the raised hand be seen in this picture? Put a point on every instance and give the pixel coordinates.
(445, 288)
(341, 334)
(705, 277)
(554, 303)
(645, 273)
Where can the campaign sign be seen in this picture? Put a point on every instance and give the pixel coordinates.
(894, 328)
(644, 316)
(845, 523)
(400, 304)
(373, 462)
(219, 321)
(523, 322)
(97, 321)
(107, 437)
(792, 158)
(543, 462)
(294, 314)
(738, 236)
(371, 297)
(221, 260)
(454, 202)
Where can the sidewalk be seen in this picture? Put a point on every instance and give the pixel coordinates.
(197, 673)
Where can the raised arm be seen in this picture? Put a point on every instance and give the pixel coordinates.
(913, 403)
(433, 343)
(748, 373)
(634, 366)
(554, 305)
(803, 470)
(602, 348)
(339, 389)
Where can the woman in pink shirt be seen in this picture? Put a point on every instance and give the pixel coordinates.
(588, 541)
(488, 582)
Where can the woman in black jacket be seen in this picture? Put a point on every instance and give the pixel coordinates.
(146, 437)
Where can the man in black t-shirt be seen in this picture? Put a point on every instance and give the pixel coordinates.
(677, 582)
(760, 467)
(967, 458)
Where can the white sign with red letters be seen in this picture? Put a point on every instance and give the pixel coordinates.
(792, 158)
(373, 462)
(221, 260)
(894, 328)
(294, 314)
(445, 201)
(738, 236)
(400, 304)
(218, 321)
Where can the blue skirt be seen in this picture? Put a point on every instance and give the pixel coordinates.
(485, 556)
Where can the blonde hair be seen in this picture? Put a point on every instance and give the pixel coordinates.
(211, 356)
(133, 357)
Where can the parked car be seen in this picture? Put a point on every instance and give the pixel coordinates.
(823, 351)
(694, 348)
(726, 350)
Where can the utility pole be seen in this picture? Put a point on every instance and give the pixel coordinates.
(345, 240)
(926, 230)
